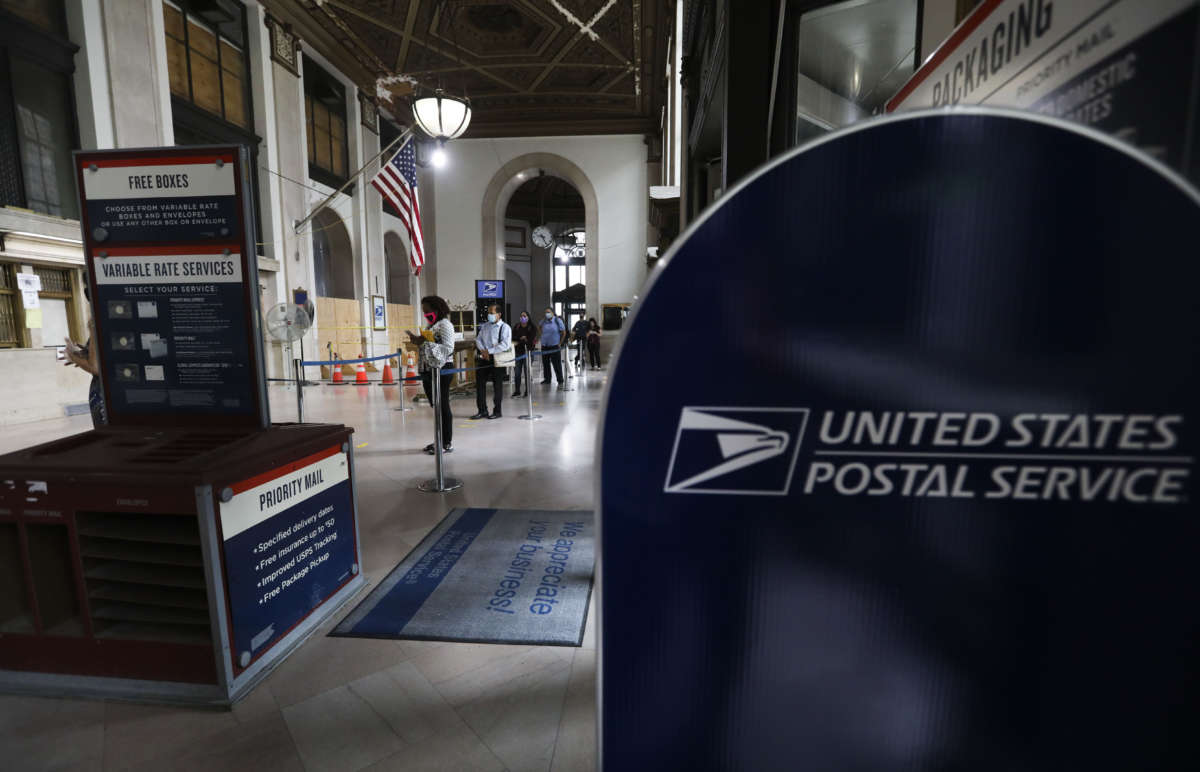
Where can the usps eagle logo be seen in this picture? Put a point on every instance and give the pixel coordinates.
(736, 450)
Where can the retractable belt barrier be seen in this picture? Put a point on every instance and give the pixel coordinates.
(340, 362)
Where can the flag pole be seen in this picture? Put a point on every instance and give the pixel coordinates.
(301, 223)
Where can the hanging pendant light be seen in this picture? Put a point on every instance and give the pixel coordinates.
(441, 115)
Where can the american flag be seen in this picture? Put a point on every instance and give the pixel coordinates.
(397, 182)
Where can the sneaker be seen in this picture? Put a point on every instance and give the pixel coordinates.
(545, 382)
(447, 449)
(495, 414)
(429, 449)
(480, 414)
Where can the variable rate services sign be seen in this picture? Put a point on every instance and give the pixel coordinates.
(288, 547)
(1127, 67)
(946, 516)
(172, 268)
(171, 324)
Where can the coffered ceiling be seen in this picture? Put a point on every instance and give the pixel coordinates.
(530, 67)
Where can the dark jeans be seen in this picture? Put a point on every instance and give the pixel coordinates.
(96, 403)
(594, 354)
(483, 375)
(552, 360)
(447, 419)
(519, 371)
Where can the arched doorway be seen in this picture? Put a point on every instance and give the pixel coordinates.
(550, 214)
(398, 270)
(333, 257)
(500, 190)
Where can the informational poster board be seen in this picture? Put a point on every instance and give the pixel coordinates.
(1126, 67)
(288, 546)
(169, 244)
(942, 512)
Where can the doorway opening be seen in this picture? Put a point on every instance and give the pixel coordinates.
(546, 217)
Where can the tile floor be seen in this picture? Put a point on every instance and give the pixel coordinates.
(351, 704)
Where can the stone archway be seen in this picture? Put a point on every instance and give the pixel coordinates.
(495, 202)
(333, 257)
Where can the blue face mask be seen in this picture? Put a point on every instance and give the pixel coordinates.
(524, 318)
(548, 316)
(492, 318)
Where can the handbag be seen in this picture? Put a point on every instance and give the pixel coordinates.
(505, 358)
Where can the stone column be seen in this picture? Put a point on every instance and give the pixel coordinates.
(375, 270)
(289, 202)
(135, 41)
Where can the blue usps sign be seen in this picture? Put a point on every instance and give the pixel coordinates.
(489, 288)
(945, 515)
(289, 545)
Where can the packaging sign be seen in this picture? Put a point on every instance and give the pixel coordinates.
(172, 269)
(288, 546)
(1127, 67)
(953, 482)
(29, 282)
(174, 331)
(190, 198)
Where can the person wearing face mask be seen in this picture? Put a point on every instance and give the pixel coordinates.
(554, 335)
(525, 337)
(593, 343)
(493, 338)
(437, 352)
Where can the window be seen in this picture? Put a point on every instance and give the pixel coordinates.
(325, 118)
(10, 332)
(46, 14)
(570, 269)
(56, 301)
(37, 117)
(206, 57)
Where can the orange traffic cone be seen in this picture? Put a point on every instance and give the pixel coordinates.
(337, 379)
(360, 375)
(411, 372)
(388, 380)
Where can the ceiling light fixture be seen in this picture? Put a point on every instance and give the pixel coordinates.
(441, 115)
(439, 157)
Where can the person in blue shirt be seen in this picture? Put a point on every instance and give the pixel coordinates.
(493, 338)
(554, 335)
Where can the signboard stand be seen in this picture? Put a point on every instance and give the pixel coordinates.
(183, 550)
(950, 519)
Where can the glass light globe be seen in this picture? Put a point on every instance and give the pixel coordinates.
(441, 116)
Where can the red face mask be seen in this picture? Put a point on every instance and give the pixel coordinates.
(432, 317)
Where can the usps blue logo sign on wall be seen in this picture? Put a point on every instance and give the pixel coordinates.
(489, 289)
(939, 509)
(737, 450)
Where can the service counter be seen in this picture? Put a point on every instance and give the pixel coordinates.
(172, 565)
